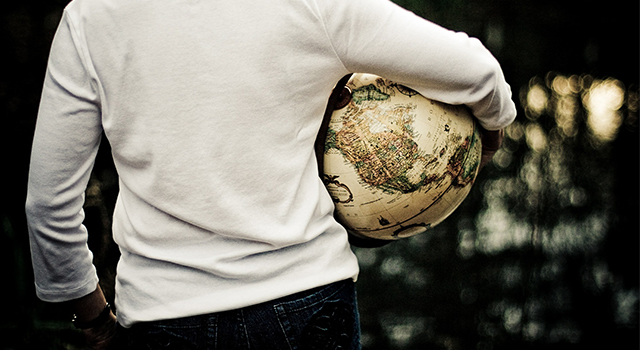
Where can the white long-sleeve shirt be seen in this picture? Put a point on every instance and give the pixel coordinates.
(211, 109)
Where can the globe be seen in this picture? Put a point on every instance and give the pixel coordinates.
(395, 162)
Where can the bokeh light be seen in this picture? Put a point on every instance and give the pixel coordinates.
(570, 99)
(603, 102)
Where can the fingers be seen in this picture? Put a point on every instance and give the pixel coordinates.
(491, 142)
(100, 337)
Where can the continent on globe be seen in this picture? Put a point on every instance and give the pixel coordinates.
(395, 162)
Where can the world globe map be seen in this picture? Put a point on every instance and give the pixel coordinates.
(396, 163)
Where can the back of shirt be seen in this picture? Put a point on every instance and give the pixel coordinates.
(212, 109)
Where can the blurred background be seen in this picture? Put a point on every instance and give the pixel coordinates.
(543, 254)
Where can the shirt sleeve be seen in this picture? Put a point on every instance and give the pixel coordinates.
(66, 140)
(379, 37)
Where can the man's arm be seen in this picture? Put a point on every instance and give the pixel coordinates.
(379, 37)
(65, 143)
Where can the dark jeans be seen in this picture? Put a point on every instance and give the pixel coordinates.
(321, 318)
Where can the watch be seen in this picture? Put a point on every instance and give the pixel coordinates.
(100, 319)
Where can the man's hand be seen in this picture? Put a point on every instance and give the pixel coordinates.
(89, 308)
(100, 337)
(491, 142)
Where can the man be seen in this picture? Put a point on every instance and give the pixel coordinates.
(211, 109)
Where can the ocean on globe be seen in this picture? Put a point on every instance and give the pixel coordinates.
(396, 163)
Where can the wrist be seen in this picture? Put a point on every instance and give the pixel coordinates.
(102, 317)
